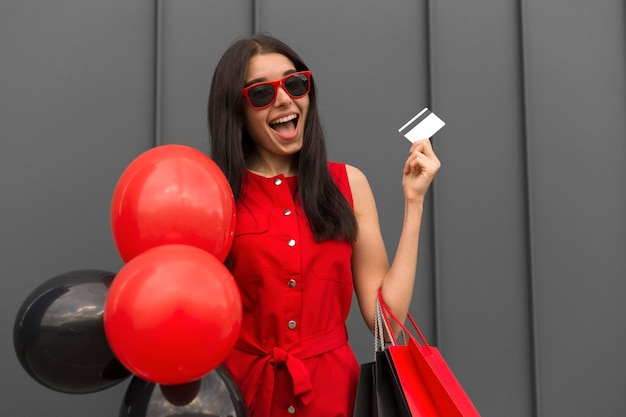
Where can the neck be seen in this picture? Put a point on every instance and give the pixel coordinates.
(271, 168)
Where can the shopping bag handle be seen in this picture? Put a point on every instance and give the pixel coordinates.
(381, 325)
(386, 308)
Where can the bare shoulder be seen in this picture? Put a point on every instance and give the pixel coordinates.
(364, 204)
(356, 177)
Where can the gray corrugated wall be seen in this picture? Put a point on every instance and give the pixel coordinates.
(522, 270)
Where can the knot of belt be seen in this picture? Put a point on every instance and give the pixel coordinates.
(290, 357)
(300, 376)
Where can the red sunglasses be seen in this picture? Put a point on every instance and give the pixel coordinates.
(263, 94)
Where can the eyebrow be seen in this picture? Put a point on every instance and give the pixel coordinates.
(260, 80)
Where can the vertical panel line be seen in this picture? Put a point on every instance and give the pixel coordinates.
(436, 291)
(532, 306)
(256, 18)
(158, 73)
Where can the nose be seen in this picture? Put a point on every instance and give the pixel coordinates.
(282, 97)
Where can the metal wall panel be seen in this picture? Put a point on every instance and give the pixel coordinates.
(480, 205)
(76, 82)
(576, 66)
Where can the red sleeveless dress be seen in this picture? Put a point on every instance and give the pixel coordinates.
(292, 357)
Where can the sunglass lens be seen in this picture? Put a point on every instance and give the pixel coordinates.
(297, 85)
(261, 95)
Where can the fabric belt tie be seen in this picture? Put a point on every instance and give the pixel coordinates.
(263, 371)
(300, 375)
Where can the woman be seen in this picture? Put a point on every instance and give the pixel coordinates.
(307, 234)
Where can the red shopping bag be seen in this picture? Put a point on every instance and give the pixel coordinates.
(423, 379)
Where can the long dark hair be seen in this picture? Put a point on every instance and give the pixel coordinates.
(327, 210)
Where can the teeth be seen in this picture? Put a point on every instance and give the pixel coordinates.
(283, 119)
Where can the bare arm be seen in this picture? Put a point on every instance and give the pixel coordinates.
(370, 264)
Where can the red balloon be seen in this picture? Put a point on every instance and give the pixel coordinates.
(172, 314)
(172, 194)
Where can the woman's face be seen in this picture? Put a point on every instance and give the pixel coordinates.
(279, 128)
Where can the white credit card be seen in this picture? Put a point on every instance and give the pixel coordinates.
(423, 126)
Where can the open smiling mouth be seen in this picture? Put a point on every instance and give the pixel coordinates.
(285, 124)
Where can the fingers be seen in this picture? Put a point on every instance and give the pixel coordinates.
(423, 146)
(422, 158)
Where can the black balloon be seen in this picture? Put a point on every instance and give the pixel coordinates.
(59, 334)
(214, 395)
